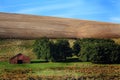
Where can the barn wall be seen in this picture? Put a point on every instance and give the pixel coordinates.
(25, 59)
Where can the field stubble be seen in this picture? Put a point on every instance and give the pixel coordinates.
(67, 71)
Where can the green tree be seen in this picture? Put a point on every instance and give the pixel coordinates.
(42, 49)
(94, 41)
(86, 52)
(102, 53)
(48, 50)
(76, 47)
(53, 51)
(106, 53)
(115, 54)
(63, 49)
(99, 51)
(95, 49)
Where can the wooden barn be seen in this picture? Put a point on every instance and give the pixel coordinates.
(19, 59)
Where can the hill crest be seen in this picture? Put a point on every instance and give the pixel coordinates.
(22, 26)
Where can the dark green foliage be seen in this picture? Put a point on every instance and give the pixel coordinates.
(38, 61)
(2, 41)
(86, 52)
(88, 47)
(42, 49)
(107, 53)
(102, 54)
(115, 55)
(76, 47)
(63, 49)
(93, 40)
(53, 51)
(99, 51)
(48, 50)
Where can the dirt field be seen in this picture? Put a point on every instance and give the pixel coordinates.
(32, 27)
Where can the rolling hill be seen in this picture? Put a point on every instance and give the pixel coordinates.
(23, 26)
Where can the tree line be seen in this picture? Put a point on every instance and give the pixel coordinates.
(86, 49)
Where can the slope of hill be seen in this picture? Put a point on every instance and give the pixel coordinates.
(31, 27)
(11, 47)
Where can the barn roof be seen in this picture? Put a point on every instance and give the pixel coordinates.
(16, 55)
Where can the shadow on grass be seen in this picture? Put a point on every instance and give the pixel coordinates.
(38, 61)
(62, 61)
(70, 60)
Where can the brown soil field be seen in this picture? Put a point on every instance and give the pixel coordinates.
(23, 26)
(106, 72)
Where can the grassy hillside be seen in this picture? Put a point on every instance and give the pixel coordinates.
(117, 40)
(11, 47)
(50, 70)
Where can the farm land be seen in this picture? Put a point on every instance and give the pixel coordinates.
(50, 70)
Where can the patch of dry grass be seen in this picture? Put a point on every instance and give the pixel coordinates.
(9, 48)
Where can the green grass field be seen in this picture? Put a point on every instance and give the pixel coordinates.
(57, 70)
(50, 71)
(46, 65)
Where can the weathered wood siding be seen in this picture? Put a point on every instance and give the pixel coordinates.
(22, 57)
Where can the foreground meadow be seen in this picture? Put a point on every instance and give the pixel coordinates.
(59, 71)
(50, 70)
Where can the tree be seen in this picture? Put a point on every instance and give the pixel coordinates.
(86, 52)
(42, 49)
(99, 50)
(115, 56)
(63, 49)
(94, 41)
(107, 53)
(53, 51)
(48, 50)
(102, 53)
(76, 47)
